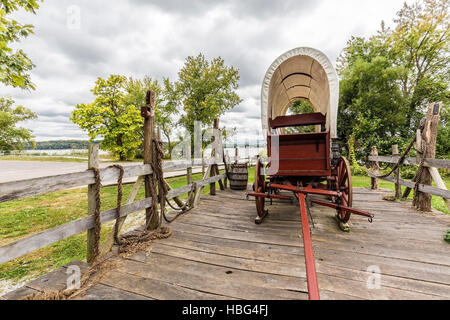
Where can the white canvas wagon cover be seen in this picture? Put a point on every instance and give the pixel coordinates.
(301, 74)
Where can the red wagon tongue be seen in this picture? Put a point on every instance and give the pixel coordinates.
(311, 276)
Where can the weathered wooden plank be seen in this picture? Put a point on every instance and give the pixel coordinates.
(234, 251)
(325, 254)
(412, 236)
(210, 180)
(436, 163)
(155, 289)
(355, 281)
(235, 243)
(262, 280)
(239, 235)
(232, 262)
(104, 292)
(212, 284)
(19, 294)
(39, 240)
(19, 189)
(178, 192)
(383, 250)
(380, 245)
(221, 272)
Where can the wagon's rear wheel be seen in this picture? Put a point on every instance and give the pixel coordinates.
(260, 187)
(344, 185)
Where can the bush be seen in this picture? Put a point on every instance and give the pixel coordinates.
(408, 172)
(358, 170)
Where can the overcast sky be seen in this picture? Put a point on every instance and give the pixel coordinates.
(77, 41)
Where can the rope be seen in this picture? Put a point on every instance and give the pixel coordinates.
(399, 162)
(185, 208)
(89, 279)
(158, 179)
(403, 156)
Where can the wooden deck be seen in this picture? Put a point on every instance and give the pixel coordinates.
(217, 252)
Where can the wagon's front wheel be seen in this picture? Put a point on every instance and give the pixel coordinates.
(344, 185)
(260, 187)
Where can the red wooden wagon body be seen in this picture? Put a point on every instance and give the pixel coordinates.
(303, 163)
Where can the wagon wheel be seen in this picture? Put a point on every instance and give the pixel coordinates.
(259, 187)
(344, 185)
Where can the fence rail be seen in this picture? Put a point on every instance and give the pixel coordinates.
(425, 146)
(422, 187)
(31, 187)
(39, 240)
(436, 163)
(14, 190)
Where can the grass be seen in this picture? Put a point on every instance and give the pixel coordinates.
(27, 216)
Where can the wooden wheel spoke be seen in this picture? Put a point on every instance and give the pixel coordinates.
(344, 185)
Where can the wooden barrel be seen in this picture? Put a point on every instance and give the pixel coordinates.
(238, 176)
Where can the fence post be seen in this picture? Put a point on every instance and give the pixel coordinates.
(92, 163)
(375, 169)
(189, 175)
(214, 169)
(422, 201)
(398, 187)
(203, 163)
(148, 112)
(227, 158)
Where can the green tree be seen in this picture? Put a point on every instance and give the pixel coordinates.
(11, 136)
(166, 107)
(205, 90)
(300, 107)
(389, 79)
(420, 43)
(15, 64)
(109, 117)
(443, 138)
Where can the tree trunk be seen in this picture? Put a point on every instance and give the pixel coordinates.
(169, 147)
(120, 144)
(422, 201)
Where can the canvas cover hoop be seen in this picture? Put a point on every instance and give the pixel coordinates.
(286, 81)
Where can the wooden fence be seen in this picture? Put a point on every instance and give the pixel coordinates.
(425, 145)
(31, 187)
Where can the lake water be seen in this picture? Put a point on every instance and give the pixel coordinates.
(59, 152)
(243, 152)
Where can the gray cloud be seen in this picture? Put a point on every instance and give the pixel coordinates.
(139, 37)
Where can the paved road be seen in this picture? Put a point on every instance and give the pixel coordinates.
(21, 170)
